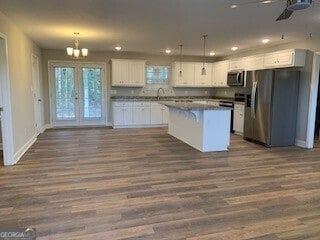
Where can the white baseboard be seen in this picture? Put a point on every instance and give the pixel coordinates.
(141, 126)
(300, 143)
(109, 124)
(47, 126)
(24, 148)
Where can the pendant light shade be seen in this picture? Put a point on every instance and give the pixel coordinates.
(203, 70)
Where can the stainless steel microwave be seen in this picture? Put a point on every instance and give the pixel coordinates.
(236, 78)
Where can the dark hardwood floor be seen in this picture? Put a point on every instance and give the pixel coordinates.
(144, 184)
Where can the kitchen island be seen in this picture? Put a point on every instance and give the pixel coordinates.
(202, 126)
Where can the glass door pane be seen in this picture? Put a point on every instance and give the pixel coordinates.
(64, 86)
(92, 100)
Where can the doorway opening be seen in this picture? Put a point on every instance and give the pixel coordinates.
(77, 94)
(7, 152)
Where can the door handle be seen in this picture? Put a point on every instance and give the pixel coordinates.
(39, 100)
(1, 109)
(76, 98)
(253, 100)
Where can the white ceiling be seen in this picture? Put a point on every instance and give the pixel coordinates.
(151, 26)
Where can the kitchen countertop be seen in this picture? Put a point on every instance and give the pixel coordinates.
(170, 98)
(192, 106)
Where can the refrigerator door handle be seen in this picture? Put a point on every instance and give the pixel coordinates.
(253, 100)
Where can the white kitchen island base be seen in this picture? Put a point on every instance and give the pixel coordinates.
(205, 130)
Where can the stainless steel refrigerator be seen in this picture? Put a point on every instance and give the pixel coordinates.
(271, 107)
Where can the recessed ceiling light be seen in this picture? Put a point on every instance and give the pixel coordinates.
(118, 48)
(234, 48)
(267, 1)
(265, 40)
(168, 51)
(234, 6)
(212, 53)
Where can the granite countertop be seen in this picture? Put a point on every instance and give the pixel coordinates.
(168, 98)
(192, 106)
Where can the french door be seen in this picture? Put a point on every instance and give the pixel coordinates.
(78, 94)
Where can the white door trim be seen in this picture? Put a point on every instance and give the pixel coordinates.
(7, 129)
(37, 94)
(313, 100)
(53, 63)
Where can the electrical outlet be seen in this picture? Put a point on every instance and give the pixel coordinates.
(132, 91)
(186, 92)
(205, 92)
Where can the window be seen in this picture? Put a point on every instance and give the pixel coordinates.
(157, 75)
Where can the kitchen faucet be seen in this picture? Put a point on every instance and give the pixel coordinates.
(158, 93)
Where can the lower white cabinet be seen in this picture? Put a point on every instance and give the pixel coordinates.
(137, 114)
(141, 113)
(122, 113)
(159, 113)
(238, 119)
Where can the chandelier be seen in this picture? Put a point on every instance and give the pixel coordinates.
(75, 52)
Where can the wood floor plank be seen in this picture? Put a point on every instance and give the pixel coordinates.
(129, 184)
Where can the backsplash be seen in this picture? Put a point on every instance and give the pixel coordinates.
(169, 91)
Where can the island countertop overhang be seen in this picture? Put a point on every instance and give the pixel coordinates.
(188, 106)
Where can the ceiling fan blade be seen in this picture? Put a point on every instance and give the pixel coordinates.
(284, 15)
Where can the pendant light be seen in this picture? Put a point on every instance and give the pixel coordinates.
(203, 70)
(180, 72)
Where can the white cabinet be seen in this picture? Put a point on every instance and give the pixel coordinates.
(203, 80)
(159, 114)
(141, 113)
(137, 73)
(187, 77)
(128, 73)
(287, 58)
(122, 113)
(219, 73)
(238, 119)
(119, 72)
(238, 64)
(254, 63)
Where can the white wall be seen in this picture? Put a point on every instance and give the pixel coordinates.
(20, 48)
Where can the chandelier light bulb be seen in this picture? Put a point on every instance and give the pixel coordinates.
(76, 53)
(70, 51)
(84, 52)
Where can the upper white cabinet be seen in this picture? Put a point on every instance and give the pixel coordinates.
(238, 64)
(219, 73)
(287, 58)
(203, 80)
(128, 73)
(186, 79)
(254, 63)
